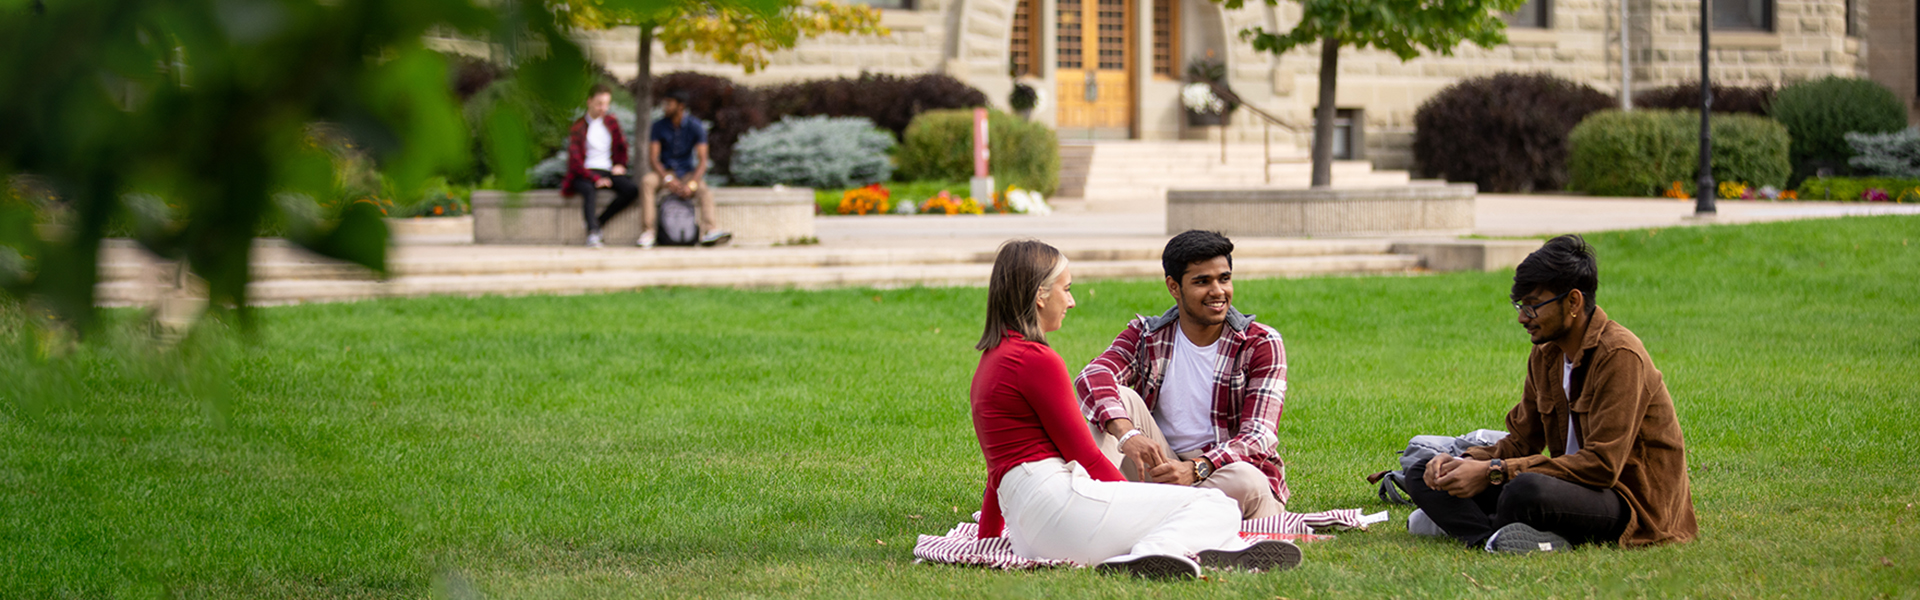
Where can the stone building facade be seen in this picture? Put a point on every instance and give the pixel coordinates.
(1114, 68)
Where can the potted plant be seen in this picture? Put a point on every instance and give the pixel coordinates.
(1204, 107)
(1023, 99)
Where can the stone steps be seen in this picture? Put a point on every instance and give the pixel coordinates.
(287, 275)
(1148, 168)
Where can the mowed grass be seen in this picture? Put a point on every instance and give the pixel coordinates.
(716, 443)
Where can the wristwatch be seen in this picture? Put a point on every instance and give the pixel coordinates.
(1202, 469)
(1496, 472)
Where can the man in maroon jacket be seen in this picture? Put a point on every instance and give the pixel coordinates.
(597, 158)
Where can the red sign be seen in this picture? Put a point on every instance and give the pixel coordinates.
(979, 142)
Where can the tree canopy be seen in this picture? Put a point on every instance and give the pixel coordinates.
(737, 32)
(1403, 27)
(192, 125)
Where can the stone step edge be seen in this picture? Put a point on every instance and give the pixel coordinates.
(291, 291)
(623, 259)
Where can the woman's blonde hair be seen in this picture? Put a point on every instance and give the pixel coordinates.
(1024, 271)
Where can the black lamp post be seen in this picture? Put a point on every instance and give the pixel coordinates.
(1703, 206)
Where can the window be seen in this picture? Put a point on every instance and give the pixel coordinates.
(1069, 41)
(1349, 133)
(1166, 29)
(1024, 47)
(1743, 15)
(896, 4)
(1535, 14)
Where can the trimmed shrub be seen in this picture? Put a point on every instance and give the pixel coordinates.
(468, 75)
(817, 152)
(729, 110)
(1505, 133)
(1819, 113)
(547, 127)
(939, 145)
(1899, 189)
(1894, 154)
(1643, 152)
(1726, 98)
(891, 102)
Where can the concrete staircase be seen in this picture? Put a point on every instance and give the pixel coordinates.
(1140, 169)
(284, 274)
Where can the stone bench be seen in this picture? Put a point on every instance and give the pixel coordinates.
(1420, 208)
(755, 215)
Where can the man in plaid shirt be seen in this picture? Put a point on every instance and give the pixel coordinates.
(1196, 403)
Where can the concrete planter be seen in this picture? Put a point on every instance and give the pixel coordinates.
(756, 216)
(1422, 208)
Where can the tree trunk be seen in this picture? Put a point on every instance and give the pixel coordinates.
(642, 106)
(1323, 115)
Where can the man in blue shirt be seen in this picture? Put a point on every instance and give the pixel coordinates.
(678, 152)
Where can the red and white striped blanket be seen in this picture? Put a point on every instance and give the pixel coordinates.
(963, 546)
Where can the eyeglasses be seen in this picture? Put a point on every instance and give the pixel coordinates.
(1532, 311)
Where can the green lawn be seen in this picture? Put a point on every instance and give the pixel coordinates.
(715, 443)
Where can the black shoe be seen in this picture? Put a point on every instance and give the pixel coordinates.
(1520, 538)
(1264, 555)
(1152, 566)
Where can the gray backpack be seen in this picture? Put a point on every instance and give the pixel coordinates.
(1423, 448)
(679, 224)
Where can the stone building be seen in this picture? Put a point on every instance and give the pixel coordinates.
(1113, 68)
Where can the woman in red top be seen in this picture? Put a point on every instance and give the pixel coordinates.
(1048, 487)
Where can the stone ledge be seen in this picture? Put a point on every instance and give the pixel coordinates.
(1468, 254)
(1421, 208)
(756, 216)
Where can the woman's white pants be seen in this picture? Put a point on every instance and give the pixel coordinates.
(1054, 510)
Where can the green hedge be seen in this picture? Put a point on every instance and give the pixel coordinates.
(1641, 153)
(939, 145)
(1820, 112)
(1851, 188)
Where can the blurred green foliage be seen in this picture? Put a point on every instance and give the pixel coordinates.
(202, 121)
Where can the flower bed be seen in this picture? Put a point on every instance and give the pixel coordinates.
(1861, 189)
(921, 197)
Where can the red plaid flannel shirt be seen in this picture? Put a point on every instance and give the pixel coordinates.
(577, 150)
(1249, 387)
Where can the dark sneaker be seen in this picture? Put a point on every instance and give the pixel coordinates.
(1264, 555)
(1519, 538)
(716, 237)
(1152, 566)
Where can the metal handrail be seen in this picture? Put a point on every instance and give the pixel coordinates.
(1268, 122)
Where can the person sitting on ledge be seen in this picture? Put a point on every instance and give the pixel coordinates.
(1616, 462)
(678, 149)
(597, 158)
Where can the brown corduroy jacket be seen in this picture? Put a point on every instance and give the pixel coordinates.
(1630, 439)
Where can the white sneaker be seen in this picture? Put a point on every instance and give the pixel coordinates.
(646, 239)
(593, 241)
(1419, 524)
(717, 236)
(1152, 566)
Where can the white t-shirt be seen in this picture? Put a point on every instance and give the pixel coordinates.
(1566, 386)
(1185, 409)
(599, 145)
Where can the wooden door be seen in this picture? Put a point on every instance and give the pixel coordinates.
(1095, 70)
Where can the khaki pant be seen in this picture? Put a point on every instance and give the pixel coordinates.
(1240, 481)
(649, 190)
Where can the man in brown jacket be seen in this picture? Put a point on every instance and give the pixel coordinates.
(1616, 465)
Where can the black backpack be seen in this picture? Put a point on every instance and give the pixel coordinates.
(678, 225)
(1423, 448)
